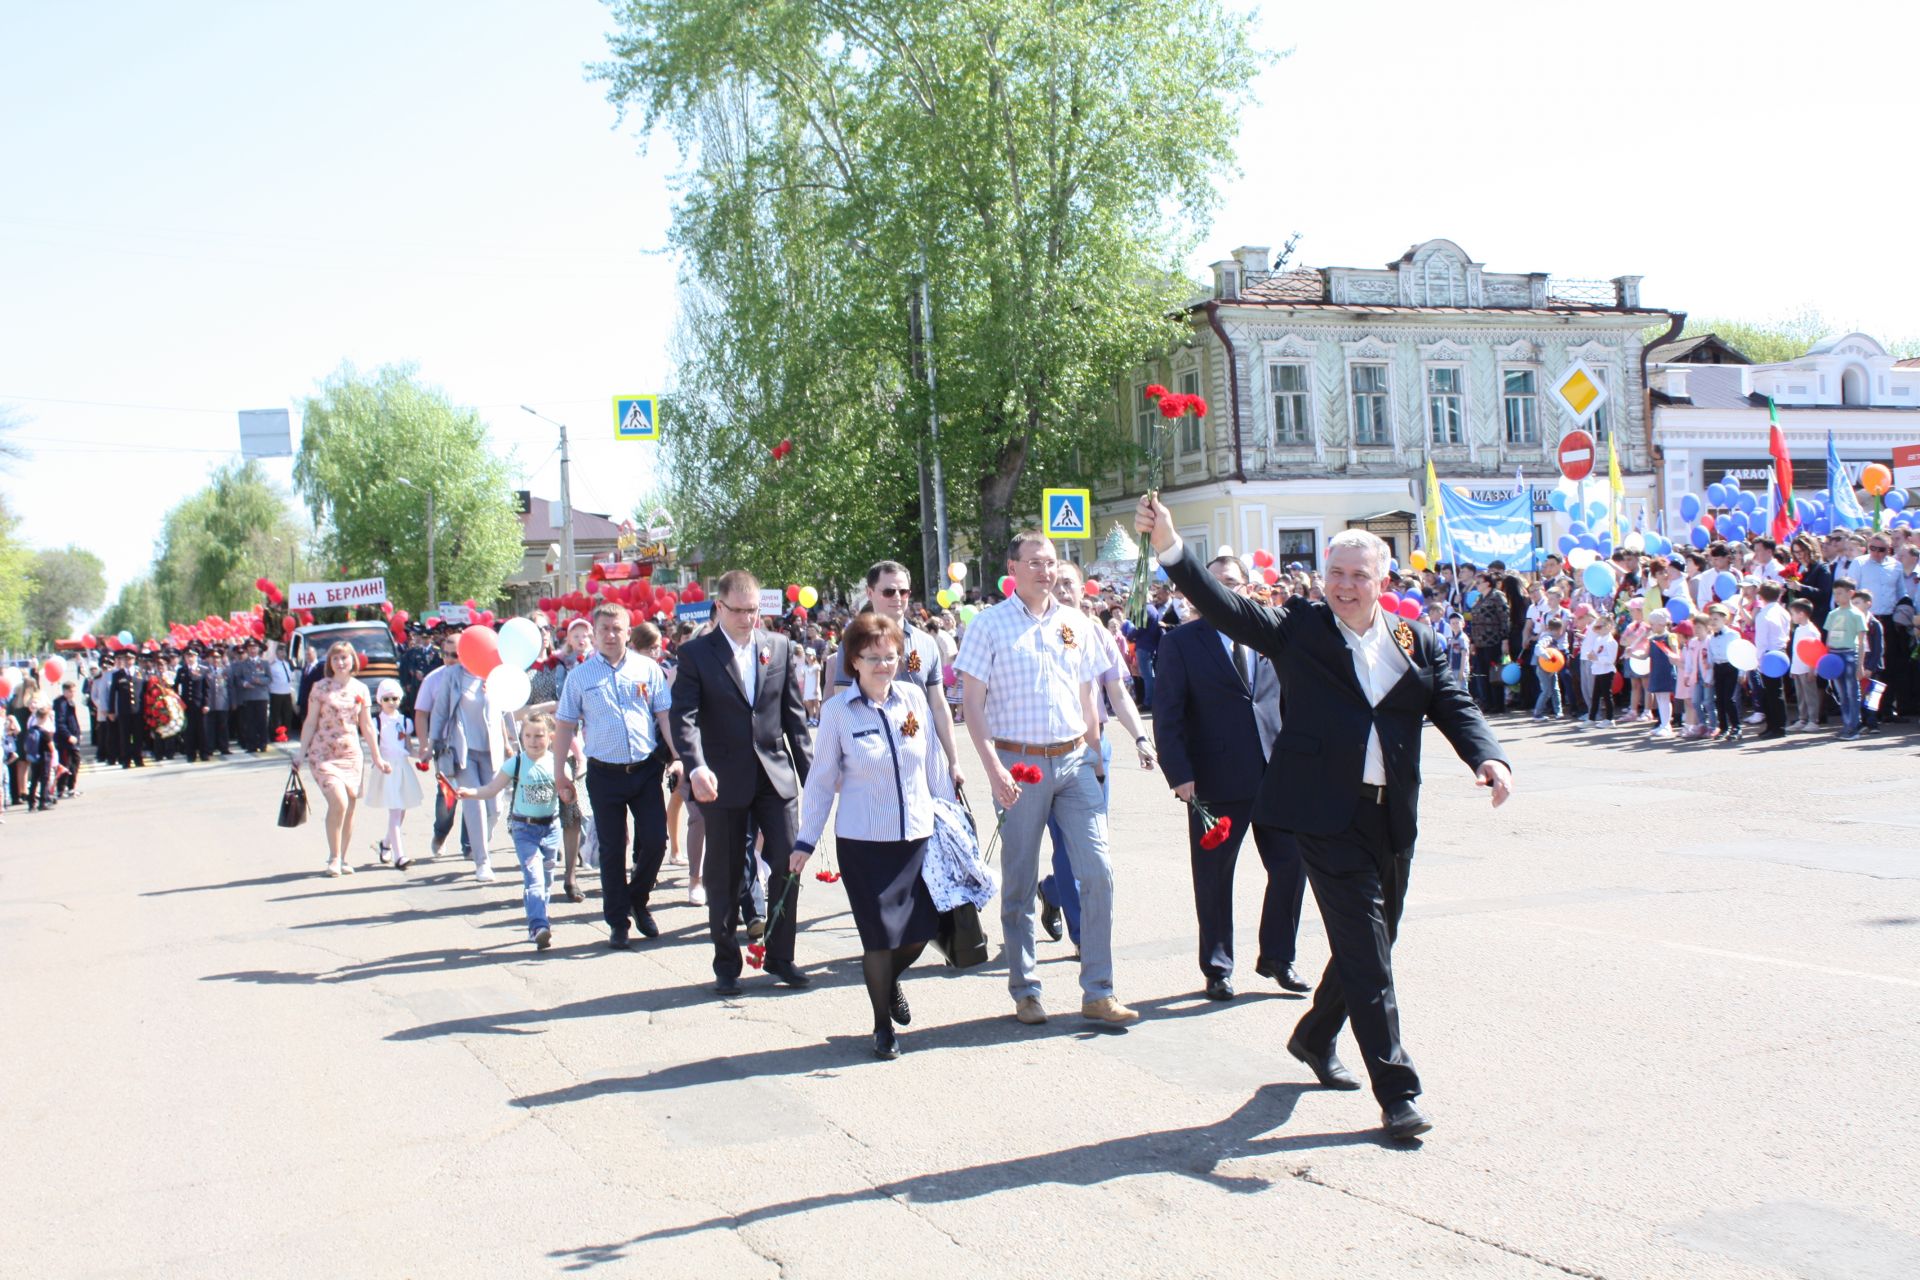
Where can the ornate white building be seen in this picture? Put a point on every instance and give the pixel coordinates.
(1330, 388)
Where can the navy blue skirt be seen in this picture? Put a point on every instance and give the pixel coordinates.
(890, 902)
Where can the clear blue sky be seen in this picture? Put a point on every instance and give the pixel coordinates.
(210, 206)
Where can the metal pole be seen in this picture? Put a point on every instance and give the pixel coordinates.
(566, 517)
(433, 586)
(933, 421)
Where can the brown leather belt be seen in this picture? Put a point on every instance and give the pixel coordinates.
(1034, 749)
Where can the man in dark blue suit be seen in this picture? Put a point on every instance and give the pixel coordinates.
(1216, 712)
(1345, 780)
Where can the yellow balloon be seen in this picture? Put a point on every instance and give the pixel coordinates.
(944, 596)
(957, 571)
(1418, 560)
(809, 597)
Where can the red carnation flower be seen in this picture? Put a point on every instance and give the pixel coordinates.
(756, 955)
(1173, 406)
(1197, 406)
(1217, 834)
(1154, 391)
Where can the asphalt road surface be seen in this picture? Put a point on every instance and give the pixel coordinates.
(1663, 1004)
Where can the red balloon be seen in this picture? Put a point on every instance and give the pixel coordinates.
(1006, 585)
(1092, 588)
(694, 593)
(1390, 602)
(386, 608)
(666, 600)
(1810, 651)
(793, 591)
(53, 669)
(88, 642)
(1706, 522)
(402, 617)
(6, 691)
(1262, 559)
(593, 586)
(479, 649)
(287, 624)
(1271, 575)
(1409, 610)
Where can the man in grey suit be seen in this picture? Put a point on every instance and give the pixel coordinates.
(1216, 712)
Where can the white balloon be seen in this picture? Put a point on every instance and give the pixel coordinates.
(519, 643)
(1639, 665)
(1743, 655)
(1580, 557)
(508, 688)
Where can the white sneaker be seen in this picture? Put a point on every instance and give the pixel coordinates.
(1756, 718)
(1662, 732)
(485, 875)
(697, 895)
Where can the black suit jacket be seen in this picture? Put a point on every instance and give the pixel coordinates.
(66, 721)
(123, 698)
(713, 725)
(195, 689)
(1209, 727)
(1312, 784)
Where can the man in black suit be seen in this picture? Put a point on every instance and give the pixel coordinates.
(1216, 711)
(1345, 779)
(125, 710)
(741, 729)
(194, 685)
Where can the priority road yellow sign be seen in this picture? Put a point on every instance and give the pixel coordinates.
(1580, 389)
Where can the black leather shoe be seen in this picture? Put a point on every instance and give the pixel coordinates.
(1404, 1120)
(1220, 989)
(643, 921)
(1050, 920)
(727, 987)
(619, 941)
(1289, 978)
(788, 975)
(1326, 1067)
(886, 1045)
(901, 1012)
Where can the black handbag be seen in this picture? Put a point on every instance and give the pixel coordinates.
(293, 801)
(961, 938)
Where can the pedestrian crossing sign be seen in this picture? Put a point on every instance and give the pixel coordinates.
(636, 418)
(1066, 512)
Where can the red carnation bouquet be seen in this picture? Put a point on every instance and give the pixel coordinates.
(1171, 407)
(1214, 832)
(1025, 774)
(757, 951)
(828, 872)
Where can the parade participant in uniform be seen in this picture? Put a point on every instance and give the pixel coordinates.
(1345, 779)
(126, 711)
(741, 731)
(338, 720)
(617, 702)
(252, 697)
(280, 687)
(195, 686)
(220, 702)
(106, 732)
(416, 660)
(1030, 671)
(1216, 713)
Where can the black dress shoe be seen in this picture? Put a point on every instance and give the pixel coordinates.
(1404, 1120)
(900, 1011)
(727, 987)
(886, 1045)
(1325, 1066)
(619, 941)
(788, 975)
(1769, 735)
(1050, 920)
(1220, 989)
(643, 921)
(1289, 978)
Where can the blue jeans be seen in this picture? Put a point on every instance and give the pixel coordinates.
(537, 846)
(1059, 888)
(1548, 703)
(1066, 790)
(1846, 689)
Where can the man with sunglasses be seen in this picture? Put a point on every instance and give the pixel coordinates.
(889, 588)
(1879, 576)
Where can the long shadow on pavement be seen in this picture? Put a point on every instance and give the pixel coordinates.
(1195, 1152)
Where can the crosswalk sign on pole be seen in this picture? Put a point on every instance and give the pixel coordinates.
(636, 417)
(1066, 512)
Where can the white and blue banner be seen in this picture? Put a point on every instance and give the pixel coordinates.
(1482, 532)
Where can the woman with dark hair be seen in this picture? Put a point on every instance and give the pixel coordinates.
(1516, 594)
(871, 751)
(1815, 578)
(1490, 627)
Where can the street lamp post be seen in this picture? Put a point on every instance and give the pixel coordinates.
(433, 586)
(567, 565)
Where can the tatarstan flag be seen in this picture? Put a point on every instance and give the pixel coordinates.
(1782, 521)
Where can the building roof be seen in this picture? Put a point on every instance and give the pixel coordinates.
(538, 526)
(1305, 288)
(1717, 386)
(1704, 348)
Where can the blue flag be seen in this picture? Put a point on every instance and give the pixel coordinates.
(1487, 531)
(1846, 505)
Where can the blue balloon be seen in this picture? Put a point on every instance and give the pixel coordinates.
(1732, 525)
(1557, 500)
(1576, 528)
(1473, 598)
(1825, 495)
(1725, 586)
(1510, 674)
(1657, 545)
(1567, 543)
(1606, 543)
(1700, 537)
(1775, 664)
(1830, 667)
(1717, 494)
(1597, 579)
(1748, 503)
(1690, 507)
(1678, 610)
(1895, 500)
(1588, 541)
(1596, 512)
(1732, 482)
(1393, 566)
(125, 637)
(1413, 594)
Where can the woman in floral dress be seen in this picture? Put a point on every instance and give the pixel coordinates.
(337, 722)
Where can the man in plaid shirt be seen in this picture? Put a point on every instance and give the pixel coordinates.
(1030, 668)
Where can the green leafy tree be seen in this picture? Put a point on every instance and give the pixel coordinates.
(361, 435)
(217, 543)
(16, 562)
(61, 583)
(1043, 166)
(136, 609)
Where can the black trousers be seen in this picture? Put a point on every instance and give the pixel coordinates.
(70, 757)
(1726, 696)
(1360, 883)
(725, 872)
(1773, 701)
(1898, 700)
(106, 740)
(1213, 890)
(133, 743)
(220, 729)
(616, 796)
(198, 735)
(281, 714)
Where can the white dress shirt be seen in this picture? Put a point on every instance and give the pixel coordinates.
(1379, 664)
(745, 664)
(1771, 626)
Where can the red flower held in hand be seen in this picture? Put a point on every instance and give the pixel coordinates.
(1218, 834)
(1026, 773)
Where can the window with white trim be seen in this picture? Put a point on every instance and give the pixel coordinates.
(1520, 400)
(1601, 424)
(1446, 404)
(1370, 421)
(1289, 384)
(1190, 422)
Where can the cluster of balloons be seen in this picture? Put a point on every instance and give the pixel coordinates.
(1406, 604)
(805, 597)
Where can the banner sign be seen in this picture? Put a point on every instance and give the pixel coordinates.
(456, 615)
(1482, 532)
(336, 595)
(694, 612)
(1906, 466)
(772, 602)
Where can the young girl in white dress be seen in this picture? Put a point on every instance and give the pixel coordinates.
(399, 790)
